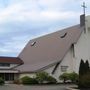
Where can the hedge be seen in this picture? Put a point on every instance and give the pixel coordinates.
(27, 80)
(1, 81)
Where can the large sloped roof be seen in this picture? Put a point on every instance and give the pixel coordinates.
(49, 49)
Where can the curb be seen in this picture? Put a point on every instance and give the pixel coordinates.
(71, 88)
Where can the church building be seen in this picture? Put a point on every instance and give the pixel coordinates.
(55, 53)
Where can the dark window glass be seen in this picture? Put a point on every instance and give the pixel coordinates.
(4, 64)
(73, 51)
(63, 35)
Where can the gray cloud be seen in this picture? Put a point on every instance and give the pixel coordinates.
(22, 20)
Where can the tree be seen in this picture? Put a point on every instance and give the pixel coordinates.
(84, 75)
(81, 68)
(84, 81)
(86, 66)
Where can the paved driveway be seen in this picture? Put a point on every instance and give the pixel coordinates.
(34, 87)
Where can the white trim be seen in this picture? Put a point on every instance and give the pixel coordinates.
(9, 71)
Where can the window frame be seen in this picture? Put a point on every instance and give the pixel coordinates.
(64, 68)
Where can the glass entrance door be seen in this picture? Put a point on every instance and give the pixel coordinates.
(7, 76)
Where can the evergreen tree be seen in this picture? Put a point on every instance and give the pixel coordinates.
(86, 66)
(81, 68)
(84, 75)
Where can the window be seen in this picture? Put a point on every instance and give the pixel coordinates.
(62, 36)
(64, 68)
(9, 77)
(4, 65)
(33, 43)
(73, 51)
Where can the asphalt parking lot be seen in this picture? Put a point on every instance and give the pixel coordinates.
(34, 87)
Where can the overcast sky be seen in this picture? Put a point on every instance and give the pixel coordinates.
(22, 20)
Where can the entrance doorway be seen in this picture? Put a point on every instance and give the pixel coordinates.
(7, 76)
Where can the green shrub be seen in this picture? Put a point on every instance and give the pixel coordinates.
(71, 77)
(51, 80)
(44, 77)
(64, 77)
(1, 81)
(27, 80)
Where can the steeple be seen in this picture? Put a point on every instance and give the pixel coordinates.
(82, 17)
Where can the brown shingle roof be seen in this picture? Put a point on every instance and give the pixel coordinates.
(49, 49)
(13, 60)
